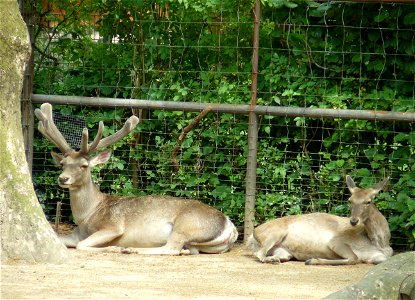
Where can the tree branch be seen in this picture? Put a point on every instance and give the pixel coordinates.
(185, 131)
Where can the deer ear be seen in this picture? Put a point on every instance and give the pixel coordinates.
(57, 158)
(350, 183)
(380, 185)
(101, 158)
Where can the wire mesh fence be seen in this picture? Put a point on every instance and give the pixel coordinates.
(336, 54)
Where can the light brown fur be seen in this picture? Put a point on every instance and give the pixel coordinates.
(145, 225)
(321, 238)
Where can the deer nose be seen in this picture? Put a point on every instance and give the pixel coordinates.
(63, 180)
(354, 222)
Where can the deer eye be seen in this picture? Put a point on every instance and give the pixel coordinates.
(368, 202)
(84, 166)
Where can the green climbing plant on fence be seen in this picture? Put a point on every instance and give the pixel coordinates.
(339, 55)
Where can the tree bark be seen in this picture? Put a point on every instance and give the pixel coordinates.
(392, 279)
(25, 233)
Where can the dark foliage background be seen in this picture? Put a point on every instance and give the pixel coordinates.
(329, 55)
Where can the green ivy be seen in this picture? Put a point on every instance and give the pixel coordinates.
(339, 55)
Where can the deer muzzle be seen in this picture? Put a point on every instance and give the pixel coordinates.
(354, 221)
(63, 180)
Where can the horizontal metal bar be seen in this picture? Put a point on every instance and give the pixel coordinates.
(282, 111)
(370, 1)
(336, 113)
(138, 103)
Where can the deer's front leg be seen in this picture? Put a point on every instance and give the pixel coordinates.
(343, 250)
(174, 246)
(71, 240)
(99, 238)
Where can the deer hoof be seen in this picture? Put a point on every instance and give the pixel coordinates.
(185, 252)
(272, 260)
(311, 261)
(126, 251)
(193, 251)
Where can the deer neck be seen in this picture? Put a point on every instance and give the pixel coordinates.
(85, 201)
(377, 228)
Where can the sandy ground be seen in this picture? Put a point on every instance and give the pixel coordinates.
(233, 275)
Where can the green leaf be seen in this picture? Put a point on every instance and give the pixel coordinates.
(207, 150)
(411, 204)
(290, 4)
(409, 19)
(400, 137)
(412, 138)
(321, 10)
(381, 16)
(340, 163)
(267, 129)
(221, 191)
(403, 197)
(363, 173)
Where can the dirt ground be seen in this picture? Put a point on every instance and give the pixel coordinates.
(233, 275)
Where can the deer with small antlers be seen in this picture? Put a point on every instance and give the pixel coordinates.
(325, 239)
(146, 225)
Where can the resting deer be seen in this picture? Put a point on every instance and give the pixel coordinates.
(325, 239)
(145, 225)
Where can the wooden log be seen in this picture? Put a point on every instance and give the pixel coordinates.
(392, 279)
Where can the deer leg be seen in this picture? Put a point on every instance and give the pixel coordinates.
(263, 252)
(279, 255)
(101, 237)
(183, 239)
(193, 250)
(220, 244)
(377, 259)
(163, 250)
(269, 251)
(174, 246)
(332, 262)
(70, 240)
(342, 250)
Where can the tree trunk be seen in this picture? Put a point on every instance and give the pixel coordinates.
(25, 233)
(393, 279)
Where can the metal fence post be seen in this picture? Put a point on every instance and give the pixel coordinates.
(252, 133)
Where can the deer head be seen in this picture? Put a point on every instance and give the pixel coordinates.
(361, 200)
(77, 165)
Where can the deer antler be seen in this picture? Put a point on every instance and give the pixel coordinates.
(99, 143)
(91, 147)
(48, 128)
(51, 132)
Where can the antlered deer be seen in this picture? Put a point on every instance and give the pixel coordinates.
(325, 239)
(145, 225)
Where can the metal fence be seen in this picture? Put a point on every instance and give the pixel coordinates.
(321, 92)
